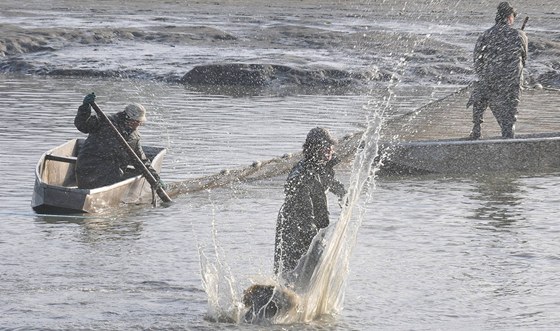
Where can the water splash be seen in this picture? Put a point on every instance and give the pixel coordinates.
(325, 293)
(320, 290)
(219, 283)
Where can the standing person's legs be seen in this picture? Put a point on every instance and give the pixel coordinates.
(504, 108)
(479, 101)
(508, 125)
(478, 117)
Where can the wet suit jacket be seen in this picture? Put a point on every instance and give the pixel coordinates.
(102, 160)
(305, 211)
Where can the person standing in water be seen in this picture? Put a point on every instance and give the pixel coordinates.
(305, 209)
(499, 58)
(303, 214)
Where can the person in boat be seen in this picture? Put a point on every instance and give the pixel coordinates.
(102, 160)
(305, 210)
(499, 58)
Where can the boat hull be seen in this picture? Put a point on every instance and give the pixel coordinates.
(538, 152)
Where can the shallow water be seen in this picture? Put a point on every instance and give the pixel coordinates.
(432, 252)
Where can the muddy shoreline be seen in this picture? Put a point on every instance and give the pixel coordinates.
(350, 45)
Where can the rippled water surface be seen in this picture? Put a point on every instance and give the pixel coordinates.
(433, 252)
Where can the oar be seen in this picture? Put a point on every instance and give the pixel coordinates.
(524, 22)
(147, 174)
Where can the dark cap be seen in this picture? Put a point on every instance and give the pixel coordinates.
(504, 10)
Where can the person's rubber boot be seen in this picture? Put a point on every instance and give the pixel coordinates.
(475, 132)
(507, 132)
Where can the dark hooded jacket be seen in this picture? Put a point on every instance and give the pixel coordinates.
(102, 160)
(305, 210)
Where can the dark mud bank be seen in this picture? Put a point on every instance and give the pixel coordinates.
(257, 75)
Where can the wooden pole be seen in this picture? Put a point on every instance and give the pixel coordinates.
(524, 22)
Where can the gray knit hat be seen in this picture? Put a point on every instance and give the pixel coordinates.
(136, 112)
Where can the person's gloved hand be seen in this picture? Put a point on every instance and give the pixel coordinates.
(333, 161)
(89, 98)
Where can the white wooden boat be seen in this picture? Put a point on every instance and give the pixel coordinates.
(55, 188)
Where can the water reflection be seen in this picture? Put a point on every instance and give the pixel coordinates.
(500, 197)
(102, 227)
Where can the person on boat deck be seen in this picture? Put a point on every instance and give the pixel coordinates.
(305, 210)
(102, 160)
(499, 58)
